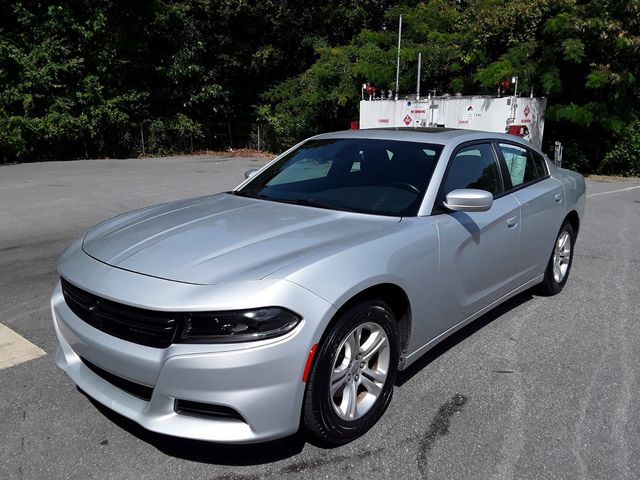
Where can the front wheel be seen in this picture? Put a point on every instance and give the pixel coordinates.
(351, 383)
(559, 266)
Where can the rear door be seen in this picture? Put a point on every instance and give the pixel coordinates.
(542, 202)
(478, 250)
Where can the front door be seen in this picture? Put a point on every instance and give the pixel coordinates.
(478, 250)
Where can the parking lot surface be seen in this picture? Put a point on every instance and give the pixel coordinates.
(540, 388)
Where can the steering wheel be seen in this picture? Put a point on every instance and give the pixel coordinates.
(406, 186)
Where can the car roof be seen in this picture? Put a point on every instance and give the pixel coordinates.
(442, 136)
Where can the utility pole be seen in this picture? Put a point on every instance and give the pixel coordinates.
(514, 105)
(398, 60)
(418, 81)
(142, 133)
(142, 137)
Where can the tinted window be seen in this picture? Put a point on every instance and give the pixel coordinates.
(361, 175)
(306, 169)
(541, 166)
(521, 164)
(474, 167)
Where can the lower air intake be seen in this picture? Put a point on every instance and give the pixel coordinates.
(187, 407)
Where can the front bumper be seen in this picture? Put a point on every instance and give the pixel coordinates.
(262, 381)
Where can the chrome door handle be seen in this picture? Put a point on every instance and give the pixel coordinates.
(558, 197)
(512, 222)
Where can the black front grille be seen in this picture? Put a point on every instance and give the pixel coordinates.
(137, 325)
(133, 388)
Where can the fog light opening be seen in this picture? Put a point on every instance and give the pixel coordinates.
(207, 410)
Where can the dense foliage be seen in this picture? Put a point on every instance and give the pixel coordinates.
(86, 78)
(584, 56)
(90, 78)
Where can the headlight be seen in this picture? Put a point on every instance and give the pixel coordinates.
(237, 326)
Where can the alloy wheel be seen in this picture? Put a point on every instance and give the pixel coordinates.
(561, 257)
(359, 371)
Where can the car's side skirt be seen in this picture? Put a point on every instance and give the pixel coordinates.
(413, 356)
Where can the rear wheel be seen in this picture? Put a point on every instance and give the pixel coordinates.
(351, 383)
(559, 266)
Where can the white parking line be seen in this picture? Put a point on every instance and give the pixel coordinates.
(612, 191)
(15, 349)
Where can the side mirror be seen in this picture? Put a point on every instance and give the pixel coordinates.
(469, 200)
(250, 173)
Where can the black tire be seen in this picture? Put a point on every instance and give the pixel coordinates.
(320, 418)
(550, 286)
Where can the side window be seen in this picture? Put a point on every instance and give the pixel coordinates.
(522, 164)
(474, 167)
(541, 166)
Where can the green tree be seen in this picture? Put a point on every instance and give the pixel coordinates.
(85, 78)
(584, 56)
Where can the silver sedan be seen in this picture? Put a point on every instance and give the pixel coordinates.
(295, 298)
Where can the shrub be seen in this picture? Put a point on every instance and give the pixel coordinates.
(173, 135)
(624, 158)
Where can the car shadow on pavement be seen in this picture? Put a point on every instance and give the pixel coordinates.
(207, 452)
(457, 337)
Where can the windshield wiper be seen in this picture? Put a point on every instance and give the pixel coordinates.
(310, 202)
(241, 193)
(306, 202)
(302, 201)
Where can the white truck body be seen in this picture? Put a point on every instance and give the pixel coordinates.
(485, 113)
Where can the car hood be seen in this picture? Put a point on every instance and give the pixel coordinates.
(224, 238)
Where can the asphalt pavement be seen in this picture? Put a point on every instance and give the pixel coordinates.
(540, 388)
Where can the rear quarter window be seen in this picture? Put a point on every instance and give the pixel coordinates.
(524, 165)
(541, 165)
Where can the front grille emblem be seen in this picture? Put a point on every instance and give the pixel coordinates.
(96, 318)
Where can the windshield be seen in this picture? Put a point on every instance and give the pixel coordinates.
(381, 177)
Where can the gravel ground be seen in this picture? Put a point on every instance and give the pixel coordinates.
(540, 388)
